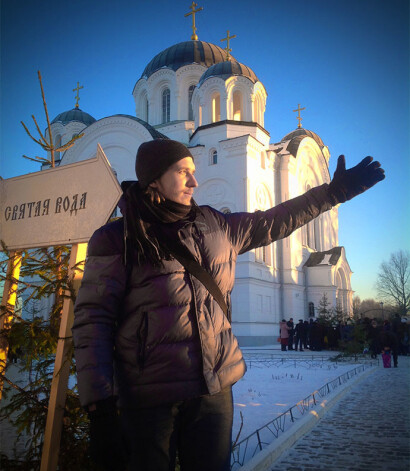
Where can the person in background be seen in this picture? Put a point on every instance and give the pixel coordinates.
(284, 334)
(300, 337)
(291, 333)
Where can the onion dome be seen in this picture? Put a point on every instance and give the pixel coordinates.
(301, 132)
(295, 137)
(227, 69)
(74, 115)
(185, 53)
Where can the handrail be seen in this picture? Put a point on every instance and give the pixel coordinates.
(247, 448)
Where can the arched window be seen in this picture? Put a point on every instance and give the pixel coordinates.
(190, 109)
(237, 105)
(166, 106)
(216, 108)
(256, 110)
(213, 158)
(260, 254)
(311, 309)
(146, 109)
(200, 116)
(226, 211)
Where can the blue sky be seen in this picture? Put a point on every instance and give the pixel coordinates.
(346, 62)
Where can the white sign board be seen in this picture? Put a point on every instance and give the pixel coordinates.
(59, 206)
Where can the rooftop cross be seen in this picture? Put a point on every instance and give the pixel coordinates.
(227, 49)
(299, 118)
(77, 97)
(194, 37)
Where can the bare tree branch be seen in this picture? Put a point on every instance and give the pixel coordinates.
(393, 283)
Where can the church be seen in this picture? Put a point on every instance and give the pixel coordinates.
(199, 94)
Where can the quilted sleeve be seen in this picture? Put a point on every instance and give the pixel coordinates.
(250, 230)
(95, 315)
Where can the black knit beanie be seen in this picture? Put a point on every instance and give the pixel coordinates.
(155, 157)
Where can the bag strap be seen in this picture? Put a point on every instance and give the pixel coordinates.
(193, 267)
(187, 260)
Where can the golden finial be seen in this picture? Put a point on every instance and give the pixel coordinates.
(194, 37)
(299, 118)
(227, 49)
(77, 97)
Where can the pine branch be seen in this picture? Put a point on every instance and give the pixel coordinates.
(39, 131)
(34, 139)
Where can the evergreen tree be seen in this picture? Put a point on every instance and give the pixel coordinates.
(32, 339)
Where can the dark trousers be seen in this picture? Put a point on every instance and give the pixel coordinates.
(200, 429)
(290, 342)
(298, 341)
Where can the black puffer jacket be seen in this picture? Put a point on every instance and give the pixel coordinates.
(158, 331)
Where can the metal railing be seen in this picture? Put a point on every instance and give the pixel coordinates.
(247, 448)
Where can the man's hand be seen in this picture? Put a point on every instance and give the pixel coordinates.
(347, 184)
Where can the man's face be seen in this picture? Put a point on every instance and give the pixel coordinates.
(178, 182)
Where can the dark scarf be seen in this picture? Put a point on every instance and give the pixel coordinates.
(143, 221)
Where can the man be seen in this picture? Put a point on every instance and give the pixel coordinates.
(149, 336)
(291, 326)
(300, 337)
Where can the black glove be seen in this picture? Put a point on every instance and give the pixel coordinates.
(347, 184)
(107, 448)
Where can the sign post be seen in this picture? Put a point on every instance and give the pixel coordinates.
(58, 393)
(60, 206)
(7, 308)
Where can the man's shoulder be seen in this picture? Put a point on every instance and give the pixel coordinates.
(108, 239)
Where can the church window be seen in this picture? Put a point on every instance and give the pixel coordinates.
(213, 157)
(308, 237)
(146, 110)
(260, 254)
(190, 109)
(316, 226)
(259, 302)
(311, 309)
(200, 116)
(166, 106)
(256, 110)
(144, 114)
(237, 105)
(216, 108)
(268, 304)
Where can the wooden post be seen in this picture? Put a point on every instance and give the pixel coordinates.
(58, 393)
(7, 308)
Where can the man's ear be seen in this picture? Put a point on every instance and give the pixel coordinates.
(154, 184)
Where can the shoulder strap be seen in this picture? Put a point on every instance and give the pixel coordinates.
(187, 260)
(193, 267)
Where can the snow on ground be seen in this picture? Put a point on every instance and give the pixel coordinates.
(270, 388)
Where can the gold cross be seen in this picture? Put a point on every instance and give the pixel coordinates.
(299, 109)
(77, 97)
(194, 37)
(227, 49)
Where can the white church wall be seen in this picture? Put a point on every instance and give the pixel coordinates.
(293, 302)
(179, 131)
(119, 136)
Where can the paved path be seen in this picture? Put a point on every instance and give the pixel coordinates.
(367, 430)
